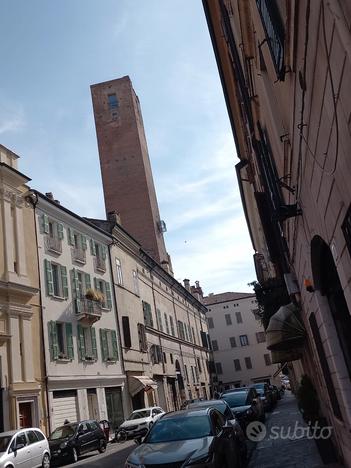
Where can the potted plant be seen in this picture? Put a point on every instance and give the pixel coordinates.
(90, 294)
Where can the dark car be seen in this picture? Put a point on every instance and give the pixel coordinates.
(196, 437)
(70, 441)
(245, 406)
(263, 390)
(275, 393)
(223, 407)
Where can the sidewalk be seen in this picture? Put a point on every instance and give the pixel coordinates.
(283, 452)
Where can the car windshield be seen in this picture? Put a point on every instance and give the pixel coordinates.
(4, 443)
(63, 432)
(180, 428)
(139, 415)
(219, 405)
(235, 399)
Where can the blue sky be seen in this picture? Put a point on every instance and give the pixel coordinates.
(51, 51)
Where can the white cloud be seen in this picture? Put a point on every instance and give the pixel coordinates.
(11, 120)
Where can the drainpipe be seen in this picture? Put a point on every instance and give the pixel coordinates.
(34, 203)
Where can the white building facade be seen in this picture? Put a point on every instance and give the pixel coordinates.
(238, 341)
(83, 360)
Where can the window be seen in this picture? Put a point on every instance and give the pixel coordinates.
(181, 330)
(21, 439)
(166, 323)
(248, 363)
(109, 347)
(119, 276)
(171, 358)
(32, 437)
(192, 374)
(199, 365)
(210, 322)
(172, 325)
(186, 372)
(214, 345)
(142, 338)
(239, 318)
(105, 289)
(267, 359)
(60, 340)
(228, 319)
(164, 358)
(87, 348)
(148, 315)
(232, 342)
(261, 337)
(219, 369)
(193, 334)
(54, 232)
(256, 313)
(237, 365)
(99, 251)
(39, 435)
(112, 101)
(135, 282)
(126, 332)
(244, 340)
(56, 279)
(159, 320)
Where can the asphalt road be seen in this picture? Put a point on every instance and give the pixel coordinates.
(114, 457)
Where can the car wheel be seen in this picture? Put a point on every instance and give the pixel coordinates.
(46, 461)
(102, 447)
(74, 455)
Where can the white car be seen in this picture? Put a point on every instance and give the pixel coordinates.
(140, 420)
(24, 448)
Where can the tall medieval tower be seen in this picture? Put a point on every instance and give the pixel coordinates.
(125, 165)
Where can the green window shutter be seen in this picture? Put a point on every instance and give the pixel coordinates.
(84, 242)
(92, 247)
(103, 251)
(159, 319)
(108, 295)
(64, 281)
(93, 342)
(53, 344)
(96, 284)
(75, 290)
(49, 278)
(104, 345)
(87, 281)
(150, 315)
(114, 345)
(45, 223)
(69, 340)
(60, 231)
(70, 236)
(81, 342)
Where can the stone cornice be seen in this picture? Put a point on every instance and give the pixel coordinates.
(16, 288)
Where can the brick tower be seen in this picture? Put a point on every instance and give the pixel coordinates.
(125, 165)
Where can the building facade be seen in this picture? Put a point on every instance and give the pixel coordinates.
(83, 358)
(238, 341)
(163, 328)
(22, 384)
(285, 68)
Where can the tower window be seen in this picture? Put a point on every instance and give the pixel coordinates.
(112, 101)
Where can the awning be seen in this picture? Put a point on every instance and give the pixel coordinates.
(140, 382)
(278, 357)
(285, 330)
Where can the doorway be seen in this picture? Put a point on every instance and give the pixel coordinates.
(114, 406)
(93, 405)
(25, 414)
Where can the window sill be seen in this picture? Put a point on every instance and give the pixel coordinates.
(89, 360)
(110, 361)
(64, 360)
(58, 298)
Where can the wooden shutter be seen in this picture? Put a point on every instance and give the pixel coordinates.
(45, 223)
(142, 337)
(114, 345)
(126, 332)
(81, 342)
(93, 342)
(60, 231)
(53, 343)
(103, 252)
(87, 281)
(92, 247)
(70, 236)
(64, 280)
(76, 291)
(159, 320)
(104, 344)
(49, 278)
(108, 295)
(69, 340)
(84, 242)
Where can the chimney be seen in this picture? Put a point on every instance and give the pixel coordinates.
(57, 202)
(197, 291)
(186, 284)
(114, 217)
(50, 196)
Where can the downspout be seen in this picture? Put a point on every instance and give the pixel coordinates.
(48, 415)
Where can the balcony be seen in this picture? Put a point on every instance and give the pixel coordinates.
(53, 244)
(100, 264)
(88, 311)
(78, 255)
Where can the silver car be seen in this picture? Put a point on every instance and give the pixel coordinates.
(24, 448)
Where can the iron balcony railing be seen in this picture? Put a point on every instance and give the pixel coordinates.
(54, 244)
(88, 307)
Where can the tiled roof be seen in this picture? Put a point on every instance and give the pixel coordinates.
(225, 297)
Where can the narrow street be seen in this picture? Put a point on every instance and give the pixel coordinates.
(114, 457)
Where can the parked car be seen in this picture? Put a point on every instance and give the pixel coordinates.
(139, 420)
(71, 440)
(223, 407)
(246, 406)
(264, 392)
(193, 400)
(24, 448)
(186, 438)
